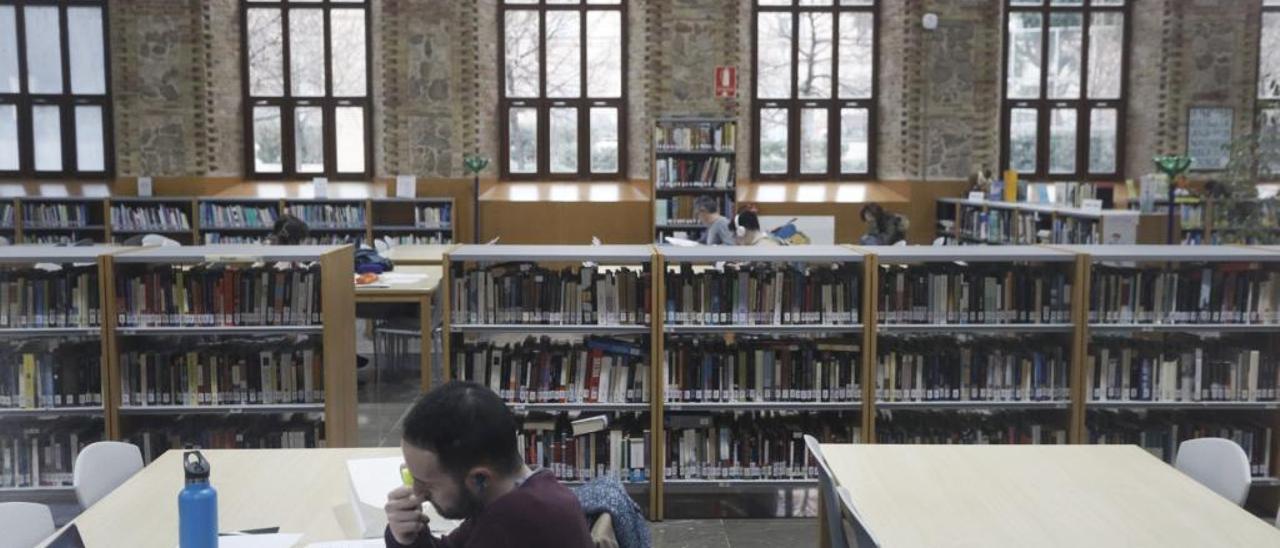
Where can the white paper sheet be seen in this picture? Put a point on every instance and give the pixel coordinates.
(370, 543)
(371, 481)
(259, 541)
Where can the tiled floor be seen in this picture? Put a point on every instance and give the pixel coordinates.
(737, 533)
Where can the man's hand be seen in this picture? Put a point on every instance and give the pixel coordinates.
(404, 515)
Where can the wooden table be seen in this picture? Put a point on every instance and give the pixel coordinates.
(1035, 495)
(298, 490)
(418, 255)
(420, 293)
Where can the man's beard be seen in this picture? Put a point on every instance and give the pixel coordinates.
(468, 506)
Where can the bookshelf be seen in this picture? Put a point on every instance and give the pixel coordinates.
(561, 332)
(412, 221)
(981, 222)
(691, 157)
(236, 220)
(172, 217)
(48, 220)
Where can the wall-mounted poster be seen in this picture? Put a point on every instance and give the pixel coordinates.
(1208, 137)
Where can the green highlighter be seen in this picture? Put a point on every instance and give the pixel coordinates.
(406, 476)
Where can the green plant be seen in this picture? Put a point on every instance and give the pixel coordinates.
(1241, 214)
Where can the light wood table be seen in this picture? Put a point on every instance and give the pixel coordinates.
(420, 293)
(298, 490)
(1035, 495)
(418, 255)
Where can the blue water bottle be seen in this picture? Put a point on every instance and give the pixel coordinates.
(197, 505)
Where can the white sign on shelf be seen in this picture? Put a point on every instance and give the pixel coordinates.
(1091, 204)
(406, 186)
(320, 186)
(145, 186)
(977, 196)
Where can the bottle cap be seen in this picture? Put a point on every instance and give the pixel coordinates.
(195, 466)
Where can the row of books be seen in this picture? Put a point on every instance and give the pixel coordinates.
(675, 210)
(218, 295)
(599, 370)
(1076, 231)
(723, 447)
(1127, 372)
(1066, 194)
(975, 293)
(988, 428)
(43, 457)
(433, 216)
(939, 369)
(149, 217)
(521, 293)
(761, 371)
(333, 238)
(330, 215)
(685, 173)
(66, 297)
(63, 239)
(215, 215)
(764, 294)
(621, 450)
(695, 136)
(1191, 216)
(6, 215)
(1162, 433)
(55, 215)
(154, 437)
(1226, 294)
(230, 373)
(216, 238)
(413, 239)
(1002, 226)
(34, 376)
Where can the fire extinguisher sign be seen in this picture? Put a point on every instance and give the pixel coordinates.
(726, 82)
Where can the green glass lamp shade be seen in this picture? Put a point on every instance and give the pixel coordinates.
(1173, 165)
(475, 163)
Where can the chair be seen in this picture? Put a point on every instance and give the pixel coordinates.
(25, 524)
(1218, 464)
(103, 466)
(862, 537)
(827, 490)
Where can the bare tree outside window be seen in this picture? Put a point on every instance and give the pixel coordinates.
(1269, 81)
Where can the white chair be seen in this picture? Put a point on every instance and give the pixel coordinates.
(25, 524)
(103, 466)
(827, 490)
(1218, 464)
(862, 537)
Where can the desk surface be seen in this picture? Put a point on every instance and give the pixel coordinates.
(1030, 496)
(424, 286)
(432, 254)
(298, 490)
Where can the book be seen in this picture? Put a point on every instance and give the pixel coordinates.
(1160, 433)
(55, 215)
(155, 435)
(49, 375)
(701, 370)
(542, 371)
(223, 373)
(1001, 226)
(43, 455)
(992, 428)
(979, 293)
(620, 452)
(529, 294)
(230, 215)
(217, 295)
(330, 215)
(392, 239)
(694, 173)
(433, 216)
(1181, 370)
(926, 369)
(590, 425)
(1077, 231)
(764, 294)
(1193, 294)
(38, 298)
(157, 217)
(681, 210)
(692, 136)
(726, 447)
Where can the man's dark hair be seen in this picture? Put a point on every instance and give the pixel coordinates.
(465, 425)
(747, 220)
(707, 203)
(290, 230)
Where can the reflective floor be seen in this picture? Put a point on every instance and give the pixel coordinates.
(735, 533)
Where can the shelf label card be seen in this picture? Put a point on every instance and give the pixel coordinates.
(406, 186)
(977, 196)
(1091, 205)
(320, 185)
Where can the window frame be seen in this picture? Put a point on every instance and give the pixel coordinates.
(66, 101)
(1264, 104)
(544, 104)
(288, 103)
(1082, 105)
(833, 104)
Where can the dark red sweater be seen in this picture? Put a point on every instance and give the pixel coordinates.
(541, 513)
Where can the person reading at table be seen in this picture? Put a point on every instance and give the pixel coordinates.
(459, 444)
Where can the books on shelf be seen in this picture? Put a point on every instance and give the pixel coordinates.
(161, 217)
(1160, 433)
(223, 374)
(32, 457)
(764, 294)
(761, 371)
(55, 215)
(988, 428)
(1001, 226)
(695, 173)
(680, 136)
(598, 370)
(930, 369)
(218, 295)
(533, 295)
(1132, 370)
(230, 215)
(393, 239)
(1077, 231)
(725, 447)
(333, 238)
(621, 451)
(38, 298)
(286, 431)
(1232, 294)
(675, 210)
(6, 215)
(321, 216)
(218, 238)
(39, 376)
(433, 216)
(945, 293)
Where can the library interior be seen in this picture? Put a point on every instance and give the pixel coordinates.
(639, 273)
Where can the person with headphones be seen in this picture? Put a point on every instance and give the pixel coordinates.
(746, 230)
(459, 443)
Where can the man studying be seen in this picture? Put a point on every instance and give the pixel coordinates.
(459, 444)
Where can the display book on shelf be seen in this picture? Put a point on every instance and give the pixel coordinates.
(996, 222)
(692, 156)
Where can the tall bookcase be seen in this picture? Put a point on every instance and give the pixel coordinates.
(970, 222)
(167, 216)
(412, 221)
(48, 220)
(236, 220)
(691, 157)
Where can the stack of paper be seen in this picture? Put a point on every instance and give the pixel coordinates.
(371, 481)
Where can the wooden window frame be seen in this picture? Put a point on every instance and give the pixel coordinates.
(1082, 105)
(543, 104)
(66, 101)
(833, 104)
(328, 103)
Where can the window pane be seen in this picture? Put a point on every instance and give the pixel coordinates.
(348, 50)
(604, 140)
(267, 147)
(773, 140)
(813, 140)
(1269, 57)
(8, 50)
(854, 135)
(1270, 143)
(8, 138)
(815, 55)
(1106, 48)
(44, 51)
(1102, 140)
(47, 127)
(773, 53)
(1066, 31)
(523, 140)
(348, 124)
(564, 140)
(521, 51)
(84, 39)
(857, 35)
(604, 54)
(1062, 140)
(308, 139)
(306, 52)
(564, 56)
(1024, 56)
(89, 147)
(1022, 140)
(266, 53)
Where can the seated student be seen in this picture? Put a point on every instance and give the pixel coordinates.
(460, 445)
(883, 228)
(708, 211)
(289, 230)
(746, 229)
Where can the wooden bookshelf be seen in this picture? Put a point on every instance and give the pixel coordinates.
(81, 219)
(398, 218)
(1020, 223)
(692, 153)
